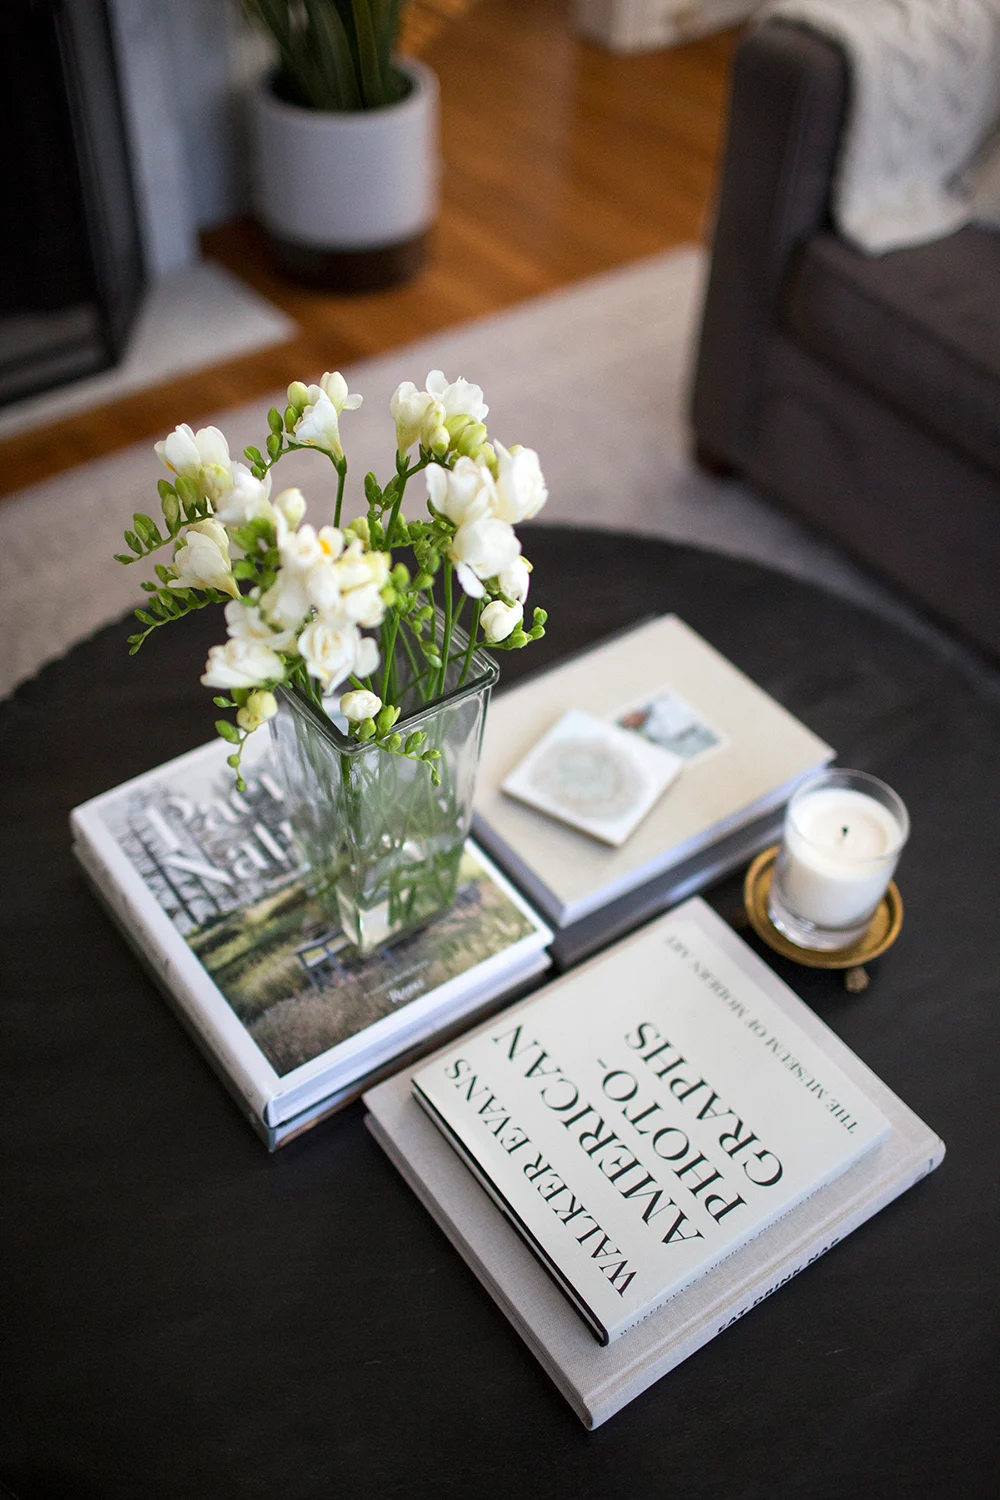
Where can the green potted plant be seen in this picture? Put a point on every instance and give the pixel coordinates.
(345, 144)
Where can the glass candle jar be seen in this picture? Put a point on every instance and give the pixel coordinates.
(843, 835)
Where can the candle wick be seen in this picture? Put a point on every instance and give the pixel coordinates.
(843, 832)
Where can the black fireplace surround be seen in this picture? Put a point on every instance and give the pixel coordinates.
(71, 268)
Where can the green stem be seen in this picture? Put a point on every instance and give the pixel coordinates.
(417, 674)
(473, 632)
(403, 474)
(389, 658)
(448, 625)
(341, 468)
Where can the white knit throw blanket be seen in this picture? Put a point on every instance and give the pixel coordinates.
(921, 149)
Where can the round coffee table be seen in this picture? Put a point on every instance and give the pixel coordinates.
(184, 1315)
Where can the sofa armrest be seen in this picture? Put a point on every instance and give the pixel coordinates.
(785, 118)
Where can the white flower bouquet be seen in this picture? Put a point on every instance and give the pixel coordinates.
(330, 617)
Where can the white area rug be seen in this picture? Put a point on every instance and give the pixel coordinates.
(595, 377)
(190, 319)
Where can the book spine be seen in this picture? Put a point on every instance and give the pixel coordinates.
(605, 1404)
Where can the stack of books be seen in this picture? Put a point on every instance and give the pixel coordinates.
(646, 1149)
(634, 1155)
(743, 755)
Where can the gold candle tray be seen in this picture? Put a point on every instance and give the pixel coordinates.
(882, 933)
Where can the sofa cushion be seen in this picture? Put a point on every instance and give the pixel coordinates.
(919, 327)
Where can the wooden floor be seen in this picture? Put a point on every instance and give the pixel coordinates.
(560, 160)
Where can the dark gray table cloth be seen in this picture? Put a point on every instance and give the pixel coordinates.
(183, 1315)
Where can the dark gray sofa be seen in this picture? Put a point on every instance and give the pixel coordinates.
(862, 392)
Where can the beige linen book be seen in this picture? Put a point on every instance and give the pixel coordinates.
(597, 1381)
(753, 754)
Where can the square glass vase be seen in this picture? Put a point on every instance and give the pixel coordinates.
(382, 842)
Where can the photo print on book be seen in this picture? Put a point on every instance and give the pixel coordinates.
(669, 722)
(594, 776)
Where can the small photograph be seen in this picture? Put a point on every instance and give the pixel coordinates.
(667, 721)
(593, 776)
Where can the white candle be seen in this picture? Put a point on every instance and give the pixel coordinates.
(842, 839)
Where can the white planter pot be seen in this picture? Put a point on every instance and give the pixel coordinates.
(347, 197)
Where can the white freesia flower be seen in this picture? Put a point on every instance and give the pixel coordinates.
(358, 568)
(180, 451)
(364, 606)
(259, 707)
(319, 425)
(482, 549)
(247, 500)
(367, 659)
(520, 487)
(329, 651)
(335, 386)
(463, 493)
(244, 622)
(360, 705)
(408, 408)
(301, 550)
(514, 580)
(202, 457)
(291, 506)
(286, 603)
(202, 560)
(242, 664)
(459, 398)
(499, 619)
(322, 586)
(331, 542)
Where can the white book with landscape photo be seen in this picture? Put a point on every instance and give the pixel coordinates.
(763, 1081)
(742, 755)
(207, 884)
(635, 1138)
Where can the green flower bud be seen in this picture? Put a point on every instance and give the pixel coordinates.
(471, 439)
(298, 396)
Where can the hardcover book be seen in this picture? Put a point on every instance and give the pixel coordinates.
(639, 1153)
(207, 886)
(742, 756)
